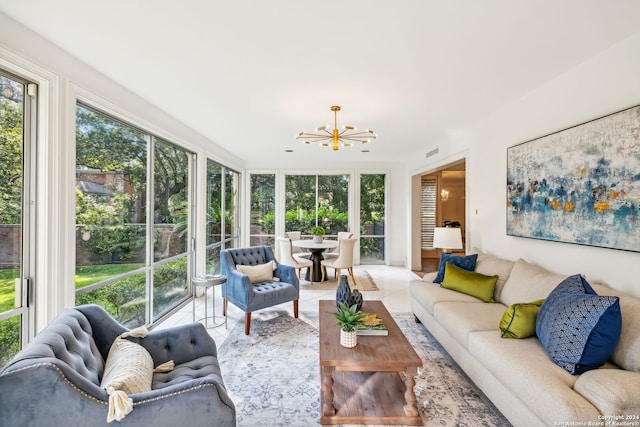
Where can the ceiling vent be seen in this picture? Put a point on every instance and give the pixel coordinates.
(432, 153)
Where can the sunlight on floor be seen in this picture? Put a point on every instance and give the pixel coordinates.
(393, 285)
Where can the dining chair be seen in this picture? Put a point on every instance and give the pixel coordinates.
(341, 236)
(344, 259)
(297, 252)
(287, 257)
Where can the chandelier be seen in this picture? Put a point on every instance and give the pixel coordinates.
(336, 138)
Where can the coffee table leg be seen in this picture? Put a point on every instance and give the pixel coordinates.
(409, 395)
(327, 391)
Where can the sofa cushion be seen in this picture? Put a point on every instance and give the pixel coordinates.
(524, 369)
(489, 265)
(528, 282)
(469, 282)
(201, 367)
(429, 277)
(519, 320)
(429, 294)
(462, 318)
(258, 273)
(468, 262)
(578, 328)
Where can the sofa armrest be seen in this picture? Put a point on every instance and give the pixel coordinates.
(180, 344)
(44, 394)
(612, 391)
(37, 375)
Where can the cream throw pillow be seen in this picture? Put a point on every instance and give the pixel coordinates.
(258, 273)
(128, 370)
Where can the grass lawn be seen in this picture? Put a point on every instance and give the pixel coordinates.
(85, 276)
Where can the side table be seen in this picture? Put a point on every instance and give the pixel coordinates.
(207, 281)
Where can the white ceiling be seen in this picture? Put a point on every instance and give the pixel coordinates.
(250, 75)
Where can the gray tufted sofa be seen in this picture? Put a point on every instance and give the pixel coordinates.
(248, 296)
(55, 381)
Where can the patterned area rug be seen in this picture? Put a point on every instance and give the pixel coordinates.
(273, 375)
(364, 282)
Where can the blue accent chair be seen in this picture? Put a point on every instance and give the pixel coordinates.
(249, 297)
(55, 380)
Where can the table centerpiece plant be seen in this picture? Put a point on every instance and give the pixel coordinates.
(318, 233)
(349, 318)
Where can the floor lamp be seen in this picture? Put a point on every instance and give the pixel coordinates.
(447, 238)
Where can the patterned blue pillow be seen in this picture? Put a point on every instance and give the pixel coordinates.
(467, 262)
(579, 329)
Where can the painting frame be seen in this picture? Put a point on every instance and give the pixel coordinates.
(579, 185)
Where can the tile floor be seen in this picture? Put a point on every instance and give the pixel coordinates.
(393, 285)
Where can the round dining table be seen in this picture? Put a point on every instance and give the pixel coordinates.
(316, 257)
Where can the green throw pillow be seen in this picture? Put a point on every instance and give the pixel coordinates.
(519, 320)
(469, 282)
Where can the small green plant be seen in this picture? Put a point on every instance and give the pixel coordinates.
(348, 317)
(317, 231)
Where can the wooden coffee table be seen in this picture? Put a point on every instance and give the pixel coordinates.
(371, 383)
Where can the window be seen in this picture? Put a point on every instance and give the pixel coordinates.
(263, 209)
(223, 213)
(372, 218)
(170, 226)
(131, 254)
(312, 200)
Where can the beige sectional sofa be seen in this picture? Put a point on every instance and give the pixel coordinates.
(517, 374)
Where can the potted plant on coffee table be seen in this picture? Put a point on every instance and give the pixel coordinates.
(348, 319)
(318, 233)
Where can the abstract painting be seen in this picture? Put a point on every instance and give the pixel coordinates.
(579, 185)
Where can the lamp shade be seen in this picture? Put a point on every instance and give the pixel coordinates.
(447, 238)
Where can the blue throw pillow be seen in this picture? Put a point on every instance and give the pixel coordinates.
(467, 262)
(578, 328)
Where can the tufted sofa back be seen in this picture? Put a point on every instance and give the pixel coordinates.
(67, 339)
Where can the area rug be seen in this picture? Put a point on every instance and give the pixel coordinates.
(273, 375)
(364, 282)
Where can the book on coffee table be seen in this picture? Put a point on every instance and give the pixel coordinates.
(372, 325)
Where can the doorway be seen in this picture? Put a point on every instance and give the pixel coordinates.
(440, 200)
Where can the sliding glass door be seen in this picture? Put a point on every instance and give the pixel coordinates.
(17, 228)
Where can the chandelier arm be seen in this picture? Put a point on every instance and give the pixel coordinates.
(362, 133)
(354, 136)
(314, 135)
(364, 141)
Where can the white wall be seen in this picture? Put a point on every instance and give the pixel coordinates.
(606, 83)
